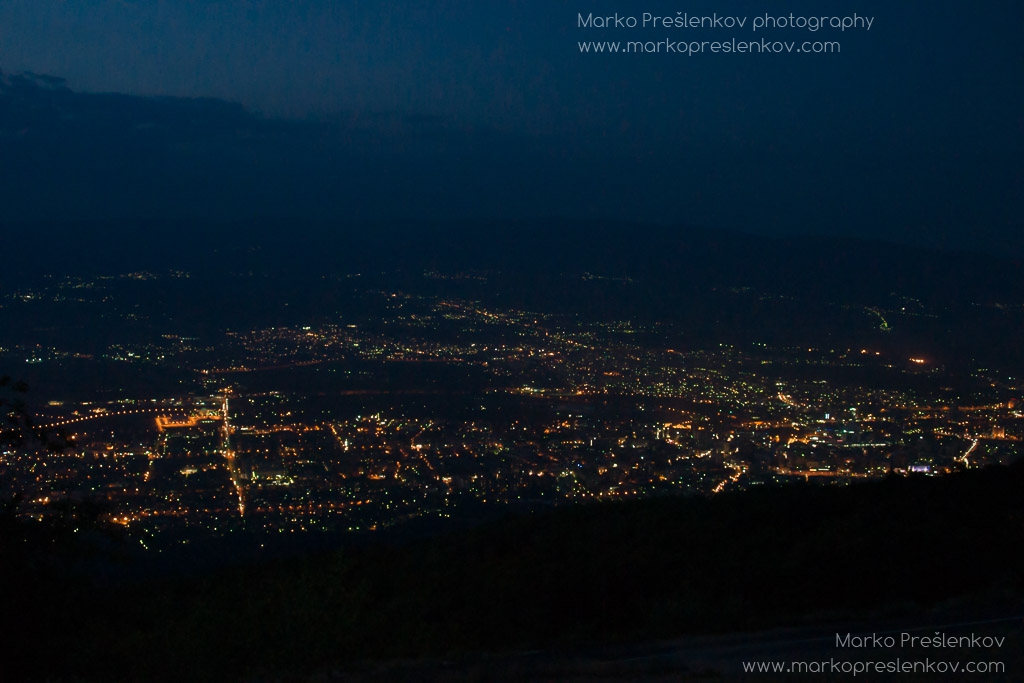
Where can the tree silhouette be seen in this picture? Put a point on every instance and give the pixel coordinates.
(17, 428)
(15, 419)
(44, 560)
(66, 516)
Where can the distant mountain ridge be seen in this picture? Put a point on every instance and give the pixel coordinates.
(678, 256)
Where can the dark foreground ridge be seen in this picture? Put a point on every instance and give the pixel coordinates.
(584, 578)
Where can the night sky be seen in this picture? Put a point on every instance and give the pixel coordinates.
(463, 109)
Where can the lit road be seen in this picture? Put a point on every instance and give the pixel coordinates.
(229, 455)
(967, 454)
(97, 416)
(418, 449)
(738, 471)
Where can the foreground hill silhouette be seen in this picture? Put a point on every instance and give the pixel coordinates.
(583, 576)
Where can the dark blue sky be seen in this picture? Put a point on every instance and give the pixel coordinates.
(468, 109)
